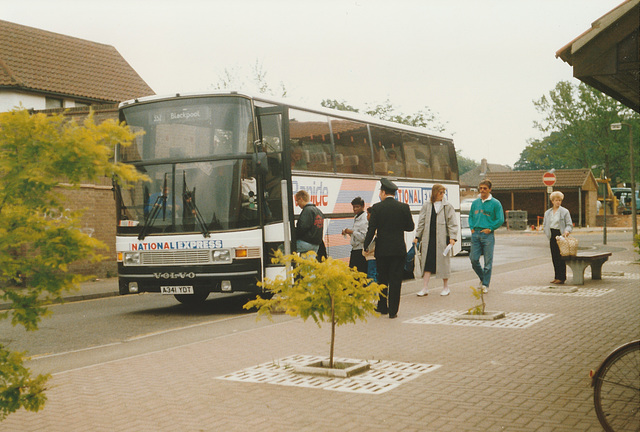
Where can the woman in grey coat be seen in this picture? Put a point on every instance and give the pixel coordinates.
(557, 221)
(437, 228)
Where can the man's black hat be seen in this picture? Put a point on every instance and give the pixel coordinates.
(388, 185)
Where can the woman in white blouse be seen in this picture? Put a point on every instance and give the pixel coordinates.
(557, 221)
(437, 228)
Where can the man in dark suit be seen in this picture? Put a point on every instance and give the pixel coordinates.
(389, 220)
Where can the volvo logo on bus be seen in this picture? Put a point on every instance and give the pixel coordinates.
(181, 275)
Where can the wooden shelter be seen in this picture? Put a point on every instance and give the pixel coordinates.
(524, 190)
(606, 56)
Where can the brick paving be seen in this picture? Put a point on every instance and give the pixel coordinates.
(490, 379)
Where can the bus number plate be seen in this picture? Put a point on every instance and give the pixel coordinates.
(172, 290)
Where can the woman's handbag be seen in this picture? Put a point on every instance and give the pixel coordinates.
(568, 245)
(417, 264)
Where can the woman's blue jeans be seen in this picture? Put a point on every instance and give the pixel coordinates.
(482, 244)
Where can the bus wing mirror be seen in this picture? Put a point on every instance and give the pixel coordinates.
(260, 163)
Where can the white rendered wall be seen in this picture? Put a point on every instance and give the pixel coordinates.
(10, 100)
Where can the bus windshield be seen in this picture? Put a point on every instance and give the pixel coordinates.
(216, 191)
(188, 129)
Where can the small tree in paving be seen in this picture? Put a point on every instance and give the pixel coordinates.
(39, 238)
(478, 309)
(325, 291)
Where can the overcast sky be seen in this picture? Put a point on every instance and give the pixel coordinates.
(478, 64)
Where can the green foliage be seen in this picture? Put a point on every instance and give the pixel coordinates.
(544, 155)
(17, 388)
(327, 291)
(338, 105)
(478, 309)
(577, 120)
(386, 111)
(464, 163)
(40, 156)
(636, 243)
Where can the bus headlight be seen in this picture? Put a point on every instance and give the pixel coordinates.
(132, 258)
(221, 256)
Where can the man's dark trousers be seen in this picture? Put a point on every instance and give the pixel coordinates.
(390, 271)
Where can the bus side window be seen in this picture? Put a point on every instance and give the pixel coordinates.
(273, 191)
(310, 139)
(353, 154)
(441, 161)
(389, 149)
(416, 149)
(270, 126)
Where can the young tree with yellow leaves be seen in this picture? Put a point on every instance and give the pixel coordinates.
(327, 290)
(39, 156)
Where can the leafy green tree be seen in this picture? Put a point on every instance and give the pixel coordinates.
(464, 163)
(39, 156)
(386, 111)
(338, 105)
(324, 291)
(544, 154)
(581, 117)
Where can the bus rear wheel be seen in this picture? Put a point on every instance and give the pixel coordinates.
(194, 299)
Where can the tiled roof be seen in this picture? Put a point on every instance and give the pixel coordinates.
(565, 178)
(37, 60)
(474, 176)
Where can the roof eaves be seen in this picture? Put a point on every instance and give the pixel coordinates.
(597, 27)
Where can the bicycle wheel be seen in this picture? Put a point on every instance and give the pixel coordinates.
(616, 393)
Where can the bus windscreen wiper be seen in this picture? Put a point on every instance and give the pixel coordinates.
(189, 201)
(117, 194)
(161, 203)
(190, 205)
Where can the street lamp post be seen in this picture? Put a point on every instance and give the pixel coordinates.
(634, 222)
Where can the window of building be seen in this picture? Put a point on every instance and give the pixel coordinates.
(51, 103)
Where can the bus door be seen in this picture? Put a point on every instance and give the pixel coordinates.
(273, 134)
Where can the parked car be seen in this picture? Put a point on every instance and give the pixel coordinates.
(465, 205)
(465, 232)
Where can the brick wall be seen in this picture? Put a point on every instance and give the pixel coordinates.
(617, 221)
(96, 201)
(535, 203)
(98, 220)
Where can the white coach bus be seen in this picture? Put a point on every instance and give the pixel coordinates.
(223, 168)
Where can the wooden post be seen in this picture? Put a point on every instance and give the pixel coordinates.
(579, 206)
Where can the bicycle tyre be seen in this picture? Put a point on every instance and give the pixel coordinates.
(616, 394)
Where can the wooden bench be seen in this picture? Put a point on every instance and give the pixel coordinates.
(578, 263)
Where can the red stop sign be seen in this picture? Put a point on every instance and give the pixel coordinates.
(549, 179)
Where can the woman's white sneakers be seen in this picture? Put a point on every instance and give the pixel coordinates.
(425, 292)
